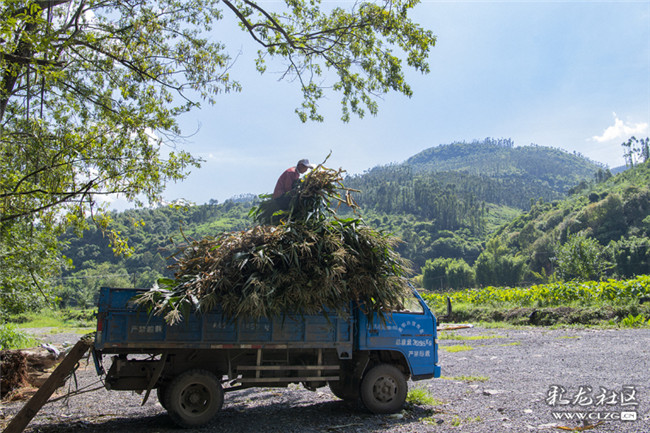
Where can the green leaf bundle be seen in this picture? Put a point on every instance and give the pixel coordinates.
(310, 261)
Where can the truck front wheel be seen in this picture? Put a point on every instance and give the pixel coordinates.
(383, 389)
(193, 398)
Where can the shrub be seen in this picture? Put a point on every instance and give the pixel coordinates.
(631, 255)
(445, 273)
(581, 258)
(496, 265)
(12, 338)
(637, 321)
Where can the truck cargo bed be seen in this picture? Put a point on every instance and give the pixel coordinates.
(122, 324)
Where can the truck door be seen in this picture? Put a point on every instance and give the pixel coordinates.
(410, 331)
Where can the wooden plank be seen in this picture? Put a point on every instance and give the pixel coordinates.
(31, 408)
(454, 327)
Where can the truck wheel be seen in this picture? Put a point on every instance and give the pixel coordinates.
(344, 391)
(383, 389)
(193, 398)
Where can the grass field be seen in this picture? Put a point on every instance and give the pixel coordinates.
(13, 335)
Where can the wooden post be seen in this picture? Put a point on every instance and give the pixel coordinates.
(31, 408)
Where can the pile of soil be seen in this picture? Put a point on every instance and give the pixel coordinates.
(13, 371)
(23, 371)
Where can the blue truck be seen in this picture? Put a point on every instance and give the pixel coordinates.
(192, 364)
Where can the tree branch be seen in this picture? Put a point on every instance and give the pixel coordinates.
(66, 196)
(13, 58)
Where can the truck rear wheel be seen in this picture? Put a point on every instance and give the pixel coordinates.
(193, 398)
(383, 389)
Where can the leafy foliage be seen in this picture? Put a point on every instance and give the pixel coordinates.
(90, 93)
(13, 338)
(28, 256)
(580, 258)
(444, 273)
(631, 256)
(497, 265)
(357, 45)
(637, 321)
(307, 263)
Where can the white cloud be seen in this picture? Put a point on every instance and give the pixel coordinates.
(621, 130)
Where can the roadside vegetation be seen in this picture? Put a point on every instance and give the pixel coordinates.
(13, 338)
(422, 397)
(62, 319)
(624, 303)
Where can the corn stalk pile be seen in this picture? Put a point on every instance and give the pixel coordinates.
(310, 261)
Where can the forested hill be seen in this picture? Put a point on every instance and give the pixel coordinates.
(491, 171)
(608, 223)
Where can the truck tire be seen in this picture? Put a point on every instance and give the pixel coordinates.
(193, 398)
(383, 389)
(344, 391)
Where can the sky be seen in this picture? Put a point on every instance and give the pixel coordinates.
(573, 75)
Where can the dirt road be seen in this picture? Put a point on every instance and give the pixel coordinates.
(495, 380)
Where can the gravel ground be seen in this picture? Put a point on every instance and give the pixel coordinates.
(501, 384)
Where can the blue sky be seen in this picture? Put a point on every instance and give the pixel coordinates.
(568, 74)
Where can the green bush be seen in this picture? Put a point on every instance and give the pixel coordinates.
(631, 255)
(496, 265)
(433, 274)
(581, 258)
(441, 273)
(12, 338)
(637, 321)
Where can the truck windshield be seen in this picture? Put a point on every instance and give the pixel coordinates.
(411, 304)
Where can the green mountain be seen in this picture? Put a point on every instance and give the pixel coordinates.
(491, 171)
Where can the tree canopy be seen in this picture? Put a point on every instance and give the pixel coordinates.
(90, 92)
